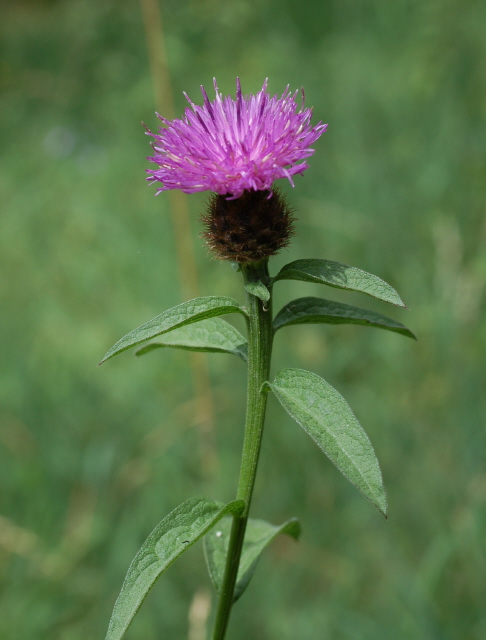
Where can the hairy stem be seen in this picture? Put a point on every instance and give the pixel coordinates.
(260, 336)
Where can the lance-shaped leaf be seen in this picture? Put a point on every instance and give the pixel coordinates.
(341, 276)
(324, 414)
(259, 290)
(214, 335)
(318, 310)
(183, 314)
(170, 538)
(259, 534)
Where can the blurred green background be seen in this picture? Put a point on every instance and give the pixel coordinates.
(92, 459)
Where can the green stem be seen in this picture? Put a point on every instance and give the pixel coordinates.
(260, 337)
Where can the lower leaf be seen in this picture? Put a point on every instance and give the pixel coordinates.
(177, 532)
(213, 335)
(259, 534)
(326, 416)
(321, 311)
(184, 314)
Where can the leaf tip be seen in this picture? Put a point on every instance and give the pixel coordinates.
(106, 357)
(409, 334)
(294, 529)
(382, 506)
(266, 387)
(383, 510)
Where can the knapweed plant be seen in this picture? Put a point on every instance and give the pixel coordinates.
(237, 148)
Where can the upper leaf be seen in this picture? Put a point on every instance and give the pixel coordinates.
(319, 310)
(170, 538)
(185, 313)
(259, 290)
(259, 534)
(341, 276)
(214, 335)
(324, 414)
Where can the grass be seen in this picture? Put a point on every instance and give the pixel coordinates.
(91, 459)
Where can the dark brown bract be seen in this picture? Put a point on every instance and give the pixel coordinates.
(249, 228)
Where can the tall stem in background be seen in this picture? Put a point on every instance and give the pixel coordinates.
(179, 210)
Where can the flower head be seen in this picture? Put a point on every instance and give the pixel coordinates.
(230, 146)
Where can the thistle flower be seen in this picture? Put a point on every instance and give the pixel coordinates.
(231, 146)
(237, 148)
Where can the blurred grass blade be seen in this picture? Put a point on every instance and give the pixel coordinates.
(214, 335)
(324, 414)
(341, 276)
(259, 534)
(259, 290)
(183, 314)
(319, 310)
(170, 538)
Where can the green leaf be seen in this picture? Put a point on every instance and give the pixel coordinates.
(183, 314)
(341, 276)
(324, 414)
(214, 335)
(170, 538)
(259, 290)
(259, 534)
(318, 310)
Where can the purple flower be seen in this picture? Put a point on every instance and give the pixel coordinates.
(231, 146)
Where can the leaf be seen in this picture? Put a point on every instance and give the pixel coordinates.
(213, 335)
(318, 310)
(183, 314)
(259, 534)
(170, 538)
(341, 276)
(259, 290)
(324, 414)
